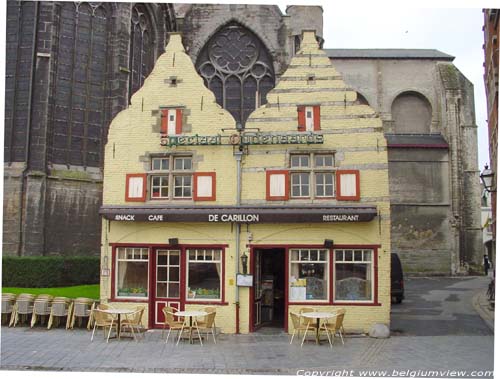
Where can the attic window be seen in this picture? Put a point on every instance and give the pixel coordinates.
(310, 78)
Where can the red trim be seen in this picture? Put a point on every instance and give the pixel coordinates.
(317, 118)
(127, 184)
(268, 184)
(166, 246)
(164, 121)
(418, 146)
(195, 186)
(301, 117)
(251, 293)
(339, 179)
(178, 122)
(287, 275)
(206, 302)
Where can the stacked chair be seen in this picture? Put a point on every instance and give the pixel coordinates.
(41, 308)
(8, 301)
(61, 307)
(82, 308)
(23, 308)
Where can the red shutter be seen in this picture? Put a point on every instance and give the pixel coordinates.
(178, 122)
(354, 190)
(197, 195)
(164, 121)
(135, 187)
(284, 179)
(301, 111)
(317, 117)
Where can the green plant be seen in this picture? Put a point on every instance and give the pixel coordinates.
(49, 271)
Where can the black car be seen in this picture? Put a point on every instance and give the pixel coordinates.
(397, 282)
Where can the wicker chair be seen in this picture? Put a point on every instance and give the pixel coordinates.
(41, 308)
(170, 321)
(103, 320)
(335, 327)
(298, 327)
(133, 321)
(23, 308)
(8, 301)
(306, 320)
(82, 308)
(61, 307)
(208, 325)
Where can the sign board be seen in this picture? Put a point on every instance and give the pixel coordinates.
(244, 280)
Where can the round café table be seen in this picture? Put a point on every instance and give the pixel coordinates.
(119, 312)
(190, 314)
(318, 316)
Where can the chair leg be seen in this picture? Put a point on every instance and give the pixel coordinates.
(293, 335)
(328, 335)
(180, 333)
(341, 337)
(168, 334)
(305, 334)
(110, 328)
(198, 330)
(93, 331)
(213, 335)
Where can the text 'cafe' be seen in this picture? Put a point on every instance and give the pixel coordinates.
(254, 224)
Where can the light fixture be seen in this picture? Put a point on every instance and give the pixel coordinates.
(487, 179)
(173, 241)
(328, 244)
(244, 262)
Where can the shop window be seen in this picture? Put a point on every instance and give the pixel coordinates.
(132, 272)
(309, 279)
(308, 118)
(312, 171)
(171, 122)
(171, 177)
(353, 275)
(204, 275)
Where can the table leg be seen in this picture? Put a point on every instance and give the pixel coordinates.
(191, 329)
(317, 331)
(119, 327)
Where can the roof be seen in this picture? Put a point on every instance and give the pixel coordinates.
(432, 141)
(388, 54)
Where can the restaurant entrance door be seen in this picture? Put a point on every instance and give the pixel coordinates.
(268, 305)
(166, 283)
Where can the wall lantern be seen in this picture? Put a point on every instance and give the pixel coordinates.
(105, 268)
(244, 262)
(487, 179)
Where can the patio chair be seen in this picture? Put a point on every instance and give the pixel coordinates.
(41, 308)
(22, 308)
(298, 326)
(170, 321)
(306, 320)
(205, 318)
(208, 325)
(82, 308)
(134, 321)
(8, 301)
(335, 327)
(104, 320)
(61, 307)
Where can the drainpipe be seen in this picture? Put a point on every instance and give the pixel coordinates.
(237, 154)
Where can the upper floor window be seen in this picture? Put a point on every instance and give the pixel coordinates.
(171, 177)
(312, 175)
(308, 118)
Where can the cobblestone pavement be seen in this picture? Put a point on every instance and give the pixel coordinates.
(58, 349)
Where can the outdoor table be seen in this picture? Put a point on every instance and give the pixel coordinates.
(318, 316)
(119, 312)
(190, 314)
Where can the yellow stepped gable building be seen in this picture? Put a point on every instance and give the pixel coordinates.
(290, 211)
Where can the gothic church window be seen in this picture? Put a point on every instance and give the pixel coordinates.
(411, 113)
(141, 48)
(78, 108)
(238, 69)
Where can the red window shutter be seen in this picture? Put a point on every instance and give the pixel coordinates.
(135, 187)
(204, 186)
(164, 121)
(301, 113)
(316, 117)
(348, 186)
(277, 185)
(178, 122)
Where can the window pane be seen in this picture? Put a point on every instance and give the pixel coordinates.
(173, 289)
(295, 179)
(164, 164)
(367, 256)
(339, 255)
(173, 274)
(161, 274)
(304, 161)
(295, 161)
(294, 255)
(162, 258)
(304, 255)
(322, 255)
(174, 258)
(204, 280)
(348, 255)
(192, 254)
(161, 290)
(132, 279)
(358, 255)
(353, 281)
(156, 164)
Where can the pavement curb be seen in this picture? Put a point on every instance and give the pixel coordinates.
(480, 304)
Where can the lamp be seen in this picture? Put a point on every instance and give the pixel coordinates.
(328, 244)
(244, 262)
(487, 179)
(173, 241)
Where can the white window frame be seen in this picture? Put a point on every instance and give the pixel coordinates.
(363, 261)
(167, 267)
(171, 173)
(312, 169)
(141, 250)
(203, 253)
(300, 261)
(160, 187)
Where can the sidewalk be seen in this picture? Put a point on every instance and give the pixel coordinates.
(61, 350)
(484, 309)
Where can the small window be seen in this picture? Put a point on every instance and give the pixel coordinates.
(324, 160)
(298, 161)
(300, 184)
(171, 178)
(158, 164)
(182, 164)
(159, 187)
(182, 186)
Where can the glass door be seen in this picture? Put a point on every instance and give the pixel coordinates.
(167, 286)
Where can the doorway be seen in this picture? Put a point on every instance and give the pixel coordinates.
(269, 288)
